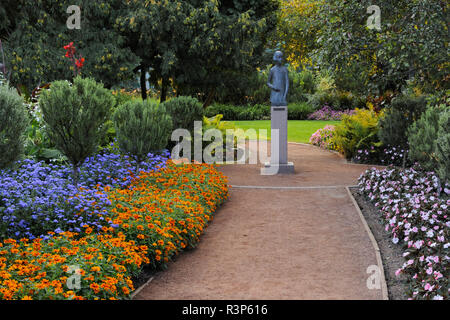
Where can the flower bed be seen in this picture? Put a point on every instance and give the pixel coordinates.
(385, 156)
(328, 114)
(152, 219)
(324, 138)
(418, 219)
(38, 198)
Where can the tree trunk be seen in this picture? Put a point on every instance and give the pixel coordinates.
(76, 175)
(164, 85)
(143, 83)
(209, 98)
(138, 167)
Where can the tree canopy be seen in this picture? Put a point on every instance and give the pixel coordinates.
(193, 43)
(412, 43)
(34, 45)
(196, 43)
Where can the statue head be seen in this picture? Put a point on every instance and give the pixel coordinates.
(278, 58)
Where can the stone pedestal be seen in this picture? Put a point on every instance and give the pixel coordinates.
(279, 152)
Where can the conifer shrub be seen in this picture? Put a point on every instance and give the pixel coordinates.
(13, 124)
(443, 146)
(142, 127)
(75, 116)
(422, 137)
(399, 116)
(184, 111)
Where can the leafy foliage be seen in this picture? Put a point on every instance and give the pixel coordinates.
(299, 111)
(443, 146)
(142, 127)
(423, 136)
(75, 117)
(13, 123)
(38, 33)
(357, 131)
(401, 114)
(184, 111)
(298, 29)
(236, 113)
(412, 43)
(199, 44)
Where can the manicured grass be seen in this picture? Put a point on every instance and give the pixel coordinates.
(298, 130)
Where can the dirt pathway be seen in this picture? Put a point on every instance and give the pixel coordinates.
(279, 237)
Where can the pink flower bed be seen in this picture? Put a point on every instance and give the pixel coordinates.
(328, 114)
(418, 219)
(323, 137)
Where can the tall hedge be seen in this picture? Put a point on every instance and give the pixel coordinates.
(75, 116)
(13, 123)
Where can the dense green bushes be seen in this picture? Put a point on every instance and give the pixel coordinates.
(252, 89)
(357, 132)
(399, 116)
(239, 113)
(443, 146)
(142, 127)
(13, 123)
(296, 111)
(429, 140)
(184, 111)
(75, 116)
(299, 111)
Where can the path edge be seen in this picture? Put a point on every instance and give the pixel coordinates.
(384, 291)
(138, 290)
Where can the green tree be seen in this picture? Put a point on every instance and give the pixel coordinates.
(298, 29)
(422, 137)
(75, 117)
(412, 43)
(142, 127)
(399, 116)
(13, 123)
(197, 43)
(36, 32)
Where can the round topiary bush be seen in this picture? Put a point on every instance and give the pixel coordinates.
(142, 127)
(184, 111)
(13, 123)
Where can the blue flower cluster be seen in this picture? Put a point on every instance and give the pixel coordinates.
(37, 198)
(115, 170)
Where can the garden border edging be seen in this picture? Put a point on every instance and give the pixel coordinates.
(384, 291)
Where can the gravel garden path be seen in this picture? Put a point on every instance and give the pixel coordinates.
(279, 237)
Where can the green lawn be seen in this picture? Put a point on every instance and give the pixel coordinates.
(298, 130)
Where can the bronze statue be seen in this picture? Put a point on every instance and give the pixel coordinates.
(278, 81)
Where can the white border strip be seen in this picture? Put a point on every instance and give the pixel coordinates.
(384, 291)
(290, 188)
